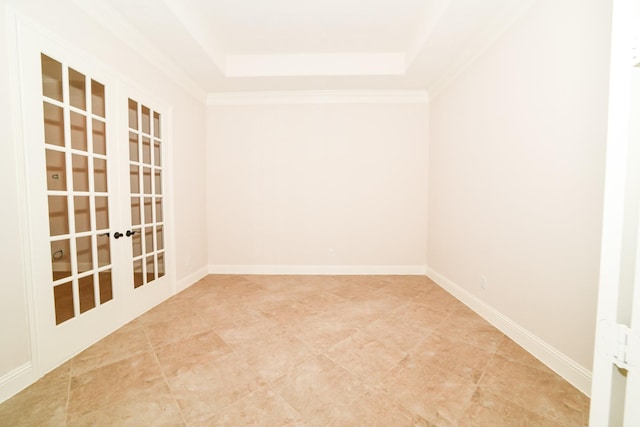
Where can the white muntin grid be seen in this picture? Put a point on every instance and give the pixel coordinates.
(146, 174)
(78, 119)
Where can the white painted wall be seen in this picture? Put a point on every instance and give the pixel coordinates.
(516, 170)
(14, 327)
(74, 28)
(287, 183)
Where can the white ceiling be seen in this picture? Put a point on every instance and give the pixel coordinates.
(271, 45)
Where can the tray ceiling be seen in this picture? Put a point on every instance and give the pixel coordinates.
(258, 45)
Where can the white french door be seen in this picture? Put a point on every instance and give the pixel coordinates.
(615, 392)
(94, 155)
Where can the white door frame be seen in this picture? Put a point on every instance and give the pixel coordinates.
(602, 412)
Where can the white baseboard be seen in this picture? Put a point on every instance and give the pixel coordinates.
(22, 377)
(319, 269)
(192, 278)
(16, 380)
(557, 361)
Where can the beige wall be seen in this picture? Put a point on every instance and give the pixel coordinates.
(516, 174)
(75, 29)
(289, 183)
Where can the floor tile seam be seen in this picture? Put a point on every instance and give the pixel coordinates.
(173, 377)
(484, 371)
(186, 338)
(423, 359)
(362, 331)
(447, 372)
(507, 397)
(365, 383)
(171, 341)
(458, 340)
(239, 397)
(411, 352)
(209, 322)
(312, 356)
(223, 409)
(392, 397)
(434, 422)
(525, 408)
(211, 328)
(396, 311)
(366, 386)
(282, 398)
(456, 335)
(68, 399)
(242, 351)
(116, 402)
(107, 365)
(281, 330)
(120, 401)
(359, 328)
(112, 362)
(544, 368)
(168, 385)
(467, 406)
(324, 291)
(323, 350)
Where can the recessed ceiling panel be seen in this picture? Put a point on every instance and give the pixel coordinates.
(325, 26)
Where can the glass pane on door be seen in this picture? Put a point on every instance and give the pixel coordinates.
(76, 162)
(145, 176)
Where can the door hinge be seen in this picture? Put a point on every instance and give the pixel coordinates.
(626, 353)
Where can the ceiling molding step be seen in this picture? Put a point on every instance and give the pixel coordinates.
(427, 27)
(199, 30)
(112, 21)
(490, 37)
(319, 97)
(318, 64)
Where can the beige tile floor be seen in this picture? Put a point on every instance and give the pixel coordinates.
(303, 351)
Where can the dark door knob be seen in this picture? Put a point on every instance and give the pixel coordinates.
(118, 235)
(130, 233)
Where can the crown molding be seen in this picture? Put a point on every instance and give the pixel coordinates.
(316, 64)
(319, 97)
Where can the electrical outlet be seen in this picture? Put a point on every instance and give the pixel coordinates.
(332, 253)
(483, 282)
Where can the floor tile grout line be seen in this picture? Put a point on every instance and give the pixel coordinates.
(275, 392)
(68, 402)
(164, 376)
(508, 398)
(383, 389)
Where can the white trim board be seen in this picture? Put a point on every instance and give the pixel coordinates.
(564, 366)
(16, 380)
(319, 269)
(319, 97)
(191, 279)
